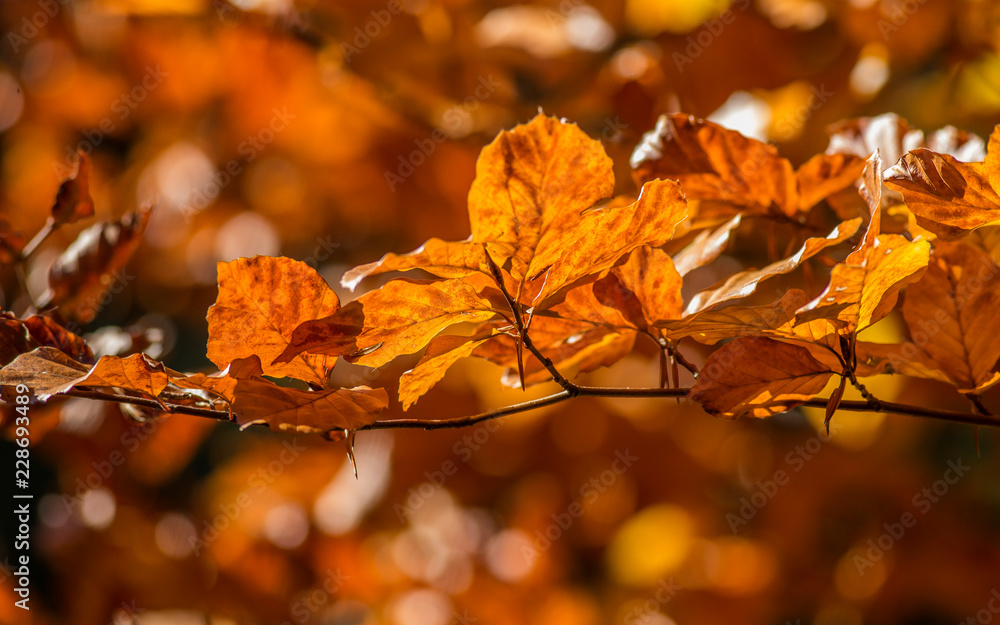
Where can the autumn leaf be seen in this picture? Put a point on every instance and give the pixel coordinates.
(706, 247)
(952, 315)
(775, 320)
(45, 370)
(138, 373)
(758, 377)
(646, 288)
(534, 206)
(73, 201)
(711, 326)
(744, 283)
(595, 325)
(46, 331)
(948, 197)
(399, 318)
(15, 339)
(715, 164)
(443, 259)
(871, 191)
(257, 400)
(896, 358)
(572, 346)
(864, 288)
(536, 188)
(81, 277)
(20, 336)
(441, 353)
(260, 303)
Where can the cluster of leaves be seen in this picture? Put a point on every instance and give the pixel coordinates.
(558, 277)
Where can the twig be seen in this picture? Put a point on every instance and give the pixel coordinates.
(950, 416)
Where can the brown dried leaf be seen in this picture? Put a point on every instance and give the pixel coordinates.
(258, 400)
(260, 303)
(715, 164)
(952, 314)
(759, 377)
(45, 370)
(46, 331)
(93, 264)
(15, 339)
(948, 197)
(73, 201)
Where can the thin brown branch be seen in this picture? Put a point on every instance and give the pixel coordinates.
(461, 422)
(938, 414)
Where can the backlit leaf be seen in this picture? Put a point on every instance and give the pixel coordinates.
(536, 188)
(949, 197)
(260, 303)
(441, 353)
(399, 318)
(864, 288)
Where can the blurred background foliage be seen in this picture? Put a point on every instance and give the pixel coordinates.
(333, 132)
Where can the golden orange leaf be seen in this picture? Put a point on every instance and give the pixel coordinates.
(536, 188)
(399, 318)
(441, 353)
(864, 288)
(444, 259)
(260, 303)
(949, 197)
(706, 247)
